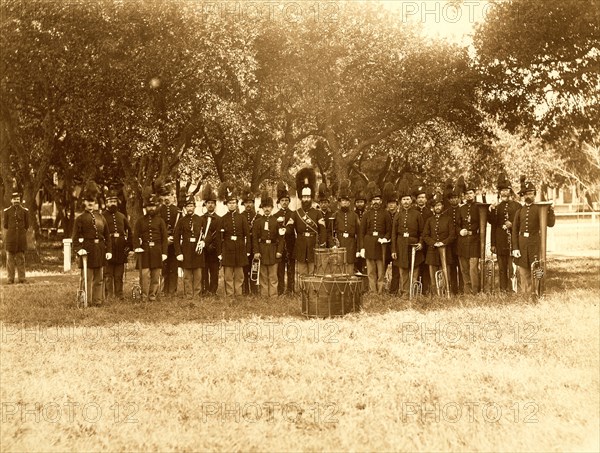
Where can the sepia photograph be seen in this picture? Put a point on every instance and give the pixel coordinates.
(300, 225)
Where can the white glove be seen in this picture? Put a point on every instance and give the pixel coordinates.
(180, 257)
(516, 253)
(82, 252)
(281, 231)
(164, 257)
(358, 254)
(220, 257)
(362, 253)
(202, 244)
(170, 239)
(139, 250)
(280, 219)
(463, 232)
(381, 240)
(108, 256)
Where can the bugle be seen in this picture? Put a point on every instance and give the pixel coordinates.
(442, 282)
(136, 289)
(538, 266)
(202, 239)
(483, 211)
(416, 287)
(489, 269)
(255, 271)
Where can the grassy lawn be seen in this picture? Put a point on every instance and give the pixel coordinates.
(486, 373)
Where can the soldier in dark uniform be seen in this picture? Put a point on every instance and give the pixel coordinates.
(468, 245)
(15, 225)
(452, 195)
(346, 228)
(189, 247)
(360, 200)
(251, 216)
(500, 218)
(438, 232)
(307, 223)
(376, 230)
(526, 237)
(212, 240)
(169, 213)
(91, 237)
(390, 200)
(120, 236)
(288, 258)
(422, 205)
(268, 246)
(235, 242)
(324, 207)
(407, 229)
(150, 239)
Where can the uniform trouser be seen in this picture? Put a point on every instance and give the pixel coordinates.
(94, 284)
(395, 282)
(210, 276)
(286, 262)
(192, 282)
(376, 274)
(248, 286)
(405, 279)
(305, 268)
(234, 279)
(505, 269)
(455, 278)
(469, 268)
(169, 273)
(150, 282)
(113, 278)
(268, 280)
(15, 260)
(525, 280)
(425, 278)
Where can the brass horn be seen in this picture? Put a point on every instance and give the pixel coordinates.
(538, 266)
(255, 271)
(416, 287)
(483, 211)
(442, 281)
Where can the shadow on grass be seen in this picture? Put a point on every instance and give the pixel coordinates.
(50, 300)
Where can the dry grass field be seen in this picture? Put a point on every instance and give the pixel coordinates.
(485, 373)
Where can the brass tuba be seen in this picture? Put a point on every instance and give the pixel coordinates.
(442, 281)
(538, 266)
(416, 287)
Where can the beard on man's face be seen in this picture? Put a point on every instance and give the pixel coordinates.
(306, 205)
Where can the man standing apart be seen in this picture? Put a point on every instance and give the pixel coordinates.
(287, 264)
(307, 223)
(376, 229)
(268, 246)
(120, 236)
(150, 240)
(15, 224)
(407, 229)
(189, 248)
(526, 237)
(235, 245)
(91, 238)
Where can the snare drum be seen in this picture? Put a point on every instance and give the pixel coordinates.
(330, 262)
(324, 297)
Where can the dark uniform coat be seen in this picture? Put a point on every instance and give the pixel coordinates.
(186, 237)
(407, 229)
(328, 215)
(266, 239)
(16, 223)
(375, 224)
(150, 233)
(235, 239)
(526, 233)
(90, 232)
(310, 231)
(501, 237)
(169, 214)
(120, 236)
(438, 228)
(346, 228)
(289, 246)
(425, 211)
(468, 218)
(212, 237)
